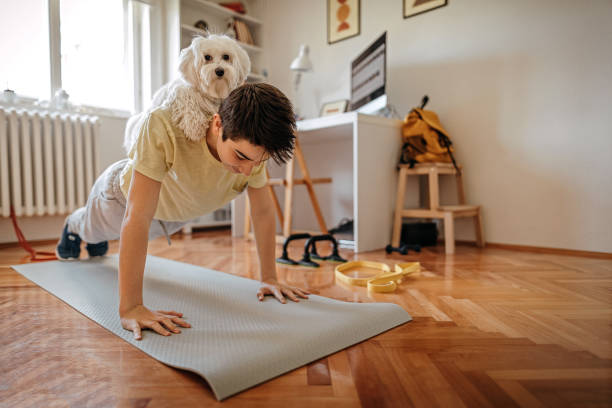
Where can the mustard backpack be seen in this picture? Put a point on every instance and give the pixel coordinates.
(424, 139)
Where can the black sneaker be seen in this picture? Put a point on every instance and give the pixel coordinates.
(99, 249)
(69, 246)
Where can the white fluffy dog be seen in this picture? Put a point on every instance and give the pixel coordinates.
(210, 68)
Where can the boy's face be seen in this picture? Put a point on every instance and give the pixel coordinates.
(238, 156)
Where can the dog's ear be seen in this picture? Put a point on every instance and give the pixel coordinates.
(242, 62)
(187, 63)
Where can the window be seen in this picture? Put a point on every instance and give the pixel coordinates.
(98, 51)
(93, 55)
(139, 17)
(24, 47)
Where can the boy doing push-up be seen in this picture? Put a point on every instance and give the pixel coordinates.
(169, 180)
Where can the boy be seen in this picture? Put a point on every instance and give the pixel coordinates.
(169, 180)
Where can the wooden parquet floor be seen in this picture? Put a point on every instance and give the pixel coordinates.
(492, 328)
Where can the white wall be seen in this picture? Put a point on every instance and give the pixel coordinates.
(50, 227)
(523, 87)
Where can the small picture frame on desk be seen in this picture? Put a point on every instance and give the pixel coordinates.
(334, 108)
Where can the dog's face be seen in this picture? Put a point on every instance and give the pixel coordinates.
(215, 65)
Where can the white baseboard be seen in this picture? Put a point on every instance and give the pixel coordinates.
(33, 228)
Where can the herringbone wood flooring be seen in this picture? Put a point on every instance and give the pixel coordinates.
(492, 328)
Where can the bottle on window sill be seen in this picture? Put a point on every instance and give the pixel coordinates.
(9, 96)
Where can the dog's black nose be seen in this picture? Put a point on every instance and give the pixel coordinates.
(219, 72)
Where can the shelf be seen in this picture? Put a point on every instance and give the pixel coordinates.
(222, 223)
(256, 77)
(250, 47)
(247, 47)
(224, 11)
(188, 228)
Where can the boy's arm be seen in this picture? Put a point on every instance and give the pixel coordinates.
(264, 227)
(140, 208)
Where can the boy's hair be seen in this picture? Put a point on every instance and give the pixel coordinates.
(261, 114)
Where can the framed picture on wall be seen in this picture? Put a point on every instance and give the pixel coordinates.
(414, 7)
(333, 108)
(343, 19)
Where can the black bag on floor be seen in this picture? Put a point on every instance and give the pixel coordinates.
(419, 233)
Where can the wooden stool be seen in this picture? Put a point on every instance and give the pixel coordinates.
(289, 182)
(448, 213)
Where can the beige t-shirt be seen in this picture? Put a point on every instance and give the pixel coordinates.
(194, 183)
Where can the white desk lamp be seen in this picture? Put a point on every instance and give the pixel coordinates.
(300, 64)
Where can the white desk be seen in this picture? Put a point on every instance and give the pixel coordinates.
(360, 153)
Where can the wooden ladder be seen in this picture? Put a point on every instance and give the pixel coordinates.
(289, 182)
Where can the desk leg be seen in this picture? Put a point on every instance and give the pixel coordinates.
(375, 150)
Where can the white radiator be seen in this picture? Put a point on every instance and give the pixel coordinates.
(48, 161)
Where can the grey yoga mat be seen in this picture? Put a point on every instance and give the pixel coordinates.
(235, 341)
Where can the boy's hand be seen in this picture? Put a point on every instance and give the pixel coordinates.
(163, 322)
(273, 287)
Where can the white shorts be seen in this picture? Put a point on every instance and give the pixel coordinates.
(101, 218)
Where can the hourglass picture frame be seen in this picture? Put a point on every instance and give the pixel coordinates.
(343, 20)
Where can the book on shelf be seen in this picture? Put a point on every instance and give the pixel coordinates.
(247, 33)
(243, 34)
